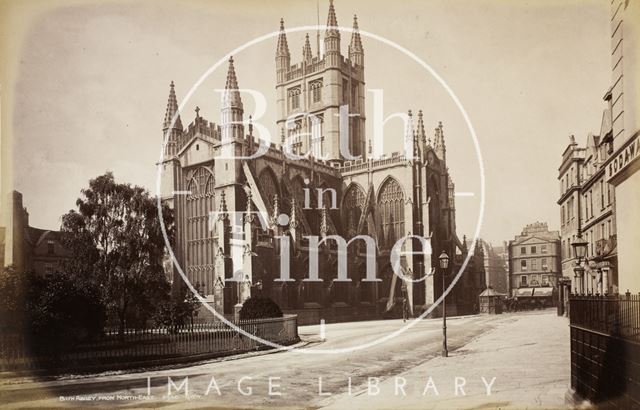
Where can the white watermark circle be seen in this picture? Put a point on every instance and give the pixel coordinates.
(476, 235)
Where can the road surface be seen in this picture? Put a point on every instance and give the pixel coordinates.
(266, 380)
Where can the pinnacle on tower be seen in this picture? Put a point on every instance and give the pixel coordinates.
(172, 110)
(282, 47)
(283, 57)
(332, 37)
(421, 132)
(232, 94)
(438, 143)
(307, 55)
(356, 52)
(323, 223)
(222, 210)
(332, 21)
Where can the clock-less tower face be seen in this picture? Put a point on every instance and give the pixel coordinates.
(311, 92)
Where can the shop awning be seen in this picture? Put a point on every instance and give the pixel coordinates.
(543, 292)
(524, 292)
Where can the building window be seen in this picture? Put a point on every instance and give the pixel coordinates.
(562, 219)
(523, 280)
(316, 135)
(534, 280)
(591, 203)
(316, 91)
(523, 265)
(601, 194)
(48, 269)
(533, 249)
(545, 266)
(570, 212)
(294, 98)
(545, 280)
(523, 250)
(391, 206)
(353, 205)
(543, 249)
(50, 247)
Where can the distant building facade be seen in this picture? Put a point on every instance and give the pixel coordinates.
(534, 261)
(34, 250)
(570, 176)
(587, 207)
(496, 267)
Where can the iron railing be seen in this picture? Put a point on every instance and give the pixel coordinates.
(150, 344)
(605, 349)
(613, 315)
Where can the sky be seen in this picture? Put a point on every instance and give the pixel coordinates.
(90, 81)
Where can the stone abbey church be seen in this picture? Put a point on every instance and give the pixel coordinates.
(385, 198)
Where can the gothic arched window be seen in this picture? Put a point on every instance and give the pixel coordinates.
(391, 210)
(199, 252)
(294, 98)
(353, 206)
(316, 91)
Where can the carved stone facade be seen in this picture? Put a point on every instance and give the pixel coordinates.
(279, 201)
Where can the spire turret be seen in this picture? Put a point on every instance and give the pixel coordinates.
(332, 37)
(171, 129)
(356, 52)
(438, 143)
(307, 55)
(222, 210)
(283, 57)
(332, 21)
(422, 135)
(324, 228)
(172, 110)
(416, 146)
(232, 94)
(409, 137)
(232, 111)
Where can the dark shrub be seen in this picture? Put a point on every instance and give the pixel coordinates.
(63, 311)
(259, 307)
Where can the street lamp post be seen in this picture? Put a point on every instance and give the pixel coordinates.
(580, 251)
(444, 264)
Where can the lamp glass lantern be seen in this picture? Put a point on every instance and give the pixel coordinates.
(444, 260)
(580, 249)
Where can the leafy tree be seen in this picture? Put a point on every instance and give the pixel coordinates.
(54, 311)
(63, 310)
(116, 240)
(13, 300)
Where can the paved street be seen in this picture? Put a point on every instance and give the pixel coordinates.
(525, 350)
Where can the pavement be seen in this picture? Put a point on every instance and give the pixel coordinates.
(522, 364)
(526, 352)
